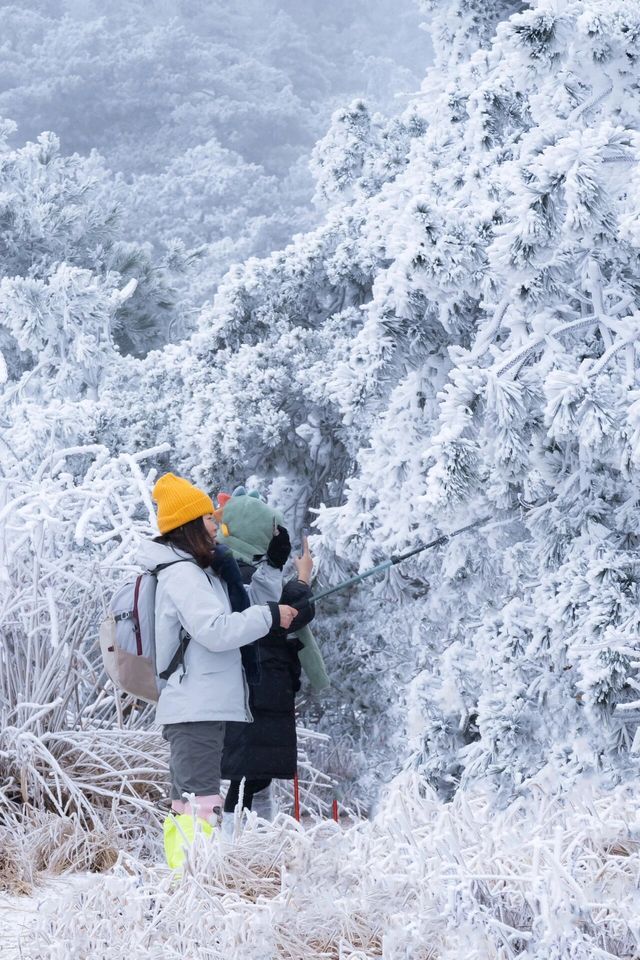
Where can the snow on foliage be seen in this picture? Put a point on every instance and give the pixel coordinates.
(423, 880)
(63, 254)
(213, 155)
(77, 762)
(462, 340)
(457, 339)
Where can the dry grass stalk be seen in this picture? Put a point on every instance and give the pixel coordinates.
(423, 880)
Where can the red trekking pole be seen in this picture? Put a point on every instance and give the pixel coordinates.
(296, 798)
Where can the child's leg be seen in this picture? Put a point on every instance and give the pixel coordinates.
(232, 797)
(262, 802)
(251, 787)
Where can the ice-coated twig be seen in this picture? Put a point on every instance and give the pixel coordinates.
(589, 104)
(575, 326)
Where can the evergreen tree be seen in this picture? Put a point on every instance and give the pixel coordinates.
(460, 27)
(458, 339)
(63, 261)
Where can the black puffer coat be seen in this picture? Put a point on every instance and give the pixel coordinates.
(267, 748)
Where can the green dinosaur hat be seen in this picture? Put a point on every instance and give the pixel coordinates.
(246, 525)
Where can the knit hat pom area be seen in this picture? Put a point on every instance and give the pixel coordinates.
(179, 502)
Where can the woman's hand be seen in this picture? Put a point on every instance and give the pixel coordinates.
(287, 615)
(304, 563)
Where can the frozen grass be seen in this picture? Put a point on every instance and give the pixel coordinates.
(81, 773)
(551, 877)
(76, 800)
(82, 778)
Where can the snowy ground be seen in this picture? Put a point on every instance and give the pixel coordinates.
(551, 877)
(20, 916)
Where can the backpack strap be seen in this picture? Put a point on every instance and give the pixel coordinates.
(136, 617)
(171, 563)
(177, 660)
(133, 614)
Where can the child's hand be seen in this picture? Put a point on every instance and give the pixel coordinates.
(279, 548)
(304, 563)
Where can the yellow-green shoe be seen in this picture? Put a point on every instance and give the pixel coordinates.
(179, 833)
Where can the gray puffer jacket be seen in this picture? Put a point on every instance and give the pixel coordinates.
(212, 685)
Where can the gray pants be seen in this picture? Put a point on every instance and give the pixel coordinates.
(195, 753)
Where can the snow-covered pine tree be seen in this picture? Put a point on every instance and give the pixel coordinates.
(460, 27)
(60, 210)
(458, 340)
(63, 326)
(60, 230)
(521, 279)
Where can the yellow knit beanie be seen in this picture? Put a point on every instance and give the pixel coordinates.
(178, 502)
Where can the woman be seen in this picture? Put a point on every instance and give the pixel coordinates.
(206, 686)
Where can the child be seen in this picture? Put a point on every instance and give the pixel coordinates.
(267, 748)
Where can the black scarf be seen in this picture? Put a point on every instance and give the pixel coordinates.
(226, 567)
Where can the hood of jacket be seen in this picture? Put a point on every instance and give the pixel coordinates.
(151, 554)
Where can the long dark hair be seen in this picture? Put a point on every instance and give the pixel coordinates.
(192, 537)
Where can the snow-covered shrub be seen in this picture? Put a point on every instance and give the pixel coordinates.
(70, 746)
(554, 876)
